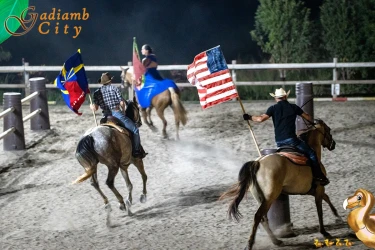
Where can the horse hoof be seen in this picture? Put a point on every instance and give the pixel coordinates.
(327, 235)
(108, 207)
(143, 198)
(278, 243)
(339, 221)
(122, 207)
(128, 205)
(129, 201)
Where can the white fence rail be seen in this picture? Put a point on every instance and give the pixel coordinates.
(335, 83)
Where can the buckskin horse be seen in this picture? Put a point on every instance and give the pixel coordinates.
(111, 145)
(270, 175)
(169, 97)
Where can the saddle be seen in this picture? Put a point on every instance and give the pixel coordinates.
(293, 155)
(113, 122)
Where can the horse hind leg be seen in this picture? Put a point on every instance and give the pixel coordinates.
(262, 210)
(333, 209)
(160, 112)
(261, 217)
(177, 123)
(112, 172)
(319, 194)
(95, 184)
(266, 227)
(141, 169)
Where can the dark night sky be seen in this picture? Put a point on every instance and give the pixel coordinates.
(177, 30)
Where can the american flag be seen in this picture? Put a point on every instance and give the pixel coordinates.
(210, 74)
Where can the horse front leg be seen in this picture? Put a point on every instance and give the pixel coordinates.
(139, 164)
(129, 185)
(148, 112)
(144, 117)
(318, 202)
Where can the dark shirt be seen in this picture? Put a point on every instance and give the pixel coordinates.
(152, 58)
(153, 71)
(284, 116)
(107, 98)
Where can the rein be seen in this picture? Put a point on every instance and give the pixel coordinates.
(324, 134)
(311, 124)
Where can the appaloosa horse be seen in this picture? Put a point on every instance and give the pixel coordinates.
(111, 146)
(271, 175)
(169, 97)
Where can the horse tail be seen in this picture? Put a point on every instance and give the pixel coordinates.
(179, 110)
(246, 178)
(87, 157)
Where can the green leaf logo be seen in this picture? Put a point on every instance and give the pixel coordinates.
(11, 8)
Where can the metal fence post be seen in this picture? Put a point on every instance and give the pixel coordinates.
(26, 76)
(234, 75)
(40, 121)
(335, 87)
(16, 140)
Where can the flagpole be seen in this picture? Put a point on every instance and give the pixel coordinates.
(93, 112)
(248, 123)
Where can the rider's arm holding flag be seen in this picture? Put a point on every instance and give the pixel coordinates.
(264, 117)
(254, 118)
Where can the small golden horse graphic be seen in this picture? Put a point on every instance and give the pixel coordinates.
(360, 219)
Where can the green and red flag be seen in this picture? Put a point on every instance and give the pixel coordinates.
(138, 68)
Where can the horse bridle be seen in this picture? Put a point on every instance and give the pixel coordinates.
(331, 141)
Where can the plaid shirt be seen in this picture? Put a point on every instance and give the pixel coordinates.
(107, 98)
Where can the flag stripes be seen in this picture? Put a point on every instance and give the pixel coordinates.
(213, 87)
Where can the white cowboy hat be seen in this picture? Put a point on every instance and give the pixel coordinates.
(280, 93)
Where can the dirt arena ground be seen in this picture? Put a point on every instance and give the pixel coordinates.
(40, 209)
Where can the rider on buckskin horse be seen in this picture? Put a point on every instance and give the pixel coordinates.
(109, 99)
(284, 116)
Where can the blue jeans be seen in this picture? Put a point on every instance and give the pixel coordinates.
(129, 124)
(307, 150)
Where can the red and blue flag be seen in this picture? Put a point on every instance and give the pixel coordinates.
(72, 82)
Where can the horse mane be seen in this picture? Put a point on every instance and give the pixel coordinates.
(304, 134)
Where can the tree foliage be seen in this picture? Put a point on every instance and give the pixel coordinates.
(283, 30)
(348, 31)
(4, 55)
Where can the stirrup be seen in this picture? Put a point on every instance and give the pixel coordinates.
(140, 154)
(322, 180)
